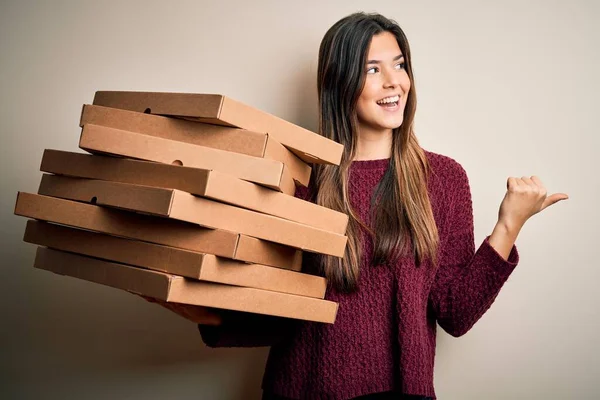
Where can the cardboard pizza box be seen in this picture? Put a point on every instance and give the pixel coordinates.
(103, 140)
(206, 183)
(177, 289)
(200, 266)
(150, 229)
(183, 206)
(221, 110)
(216, 136)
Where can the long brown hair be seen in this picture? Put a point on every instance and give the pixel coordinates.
(400, 206)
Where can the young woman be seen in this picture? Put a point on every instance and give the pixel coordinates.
(410, 262)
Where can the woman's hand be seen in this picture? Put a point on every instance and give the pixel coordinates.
(524, 198)
(198, 314)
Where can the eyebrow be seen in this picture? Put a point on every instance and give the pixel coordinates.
(378, 61)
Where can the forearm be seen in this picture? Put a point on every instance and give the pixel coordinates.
(468, 282)
(503, 237)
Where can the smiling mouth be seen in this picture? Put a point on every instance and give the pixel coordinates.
(389, 102)
(388, 105)
(391, 106)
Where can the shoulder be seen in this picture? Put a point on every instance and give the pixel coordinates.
(445, 170)
(444, 165)
(447, 181)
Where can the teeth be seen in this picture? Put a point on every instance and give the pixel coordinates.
(392, 99)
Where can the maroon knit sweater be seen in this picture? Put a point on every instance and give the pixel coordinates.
(384, 335)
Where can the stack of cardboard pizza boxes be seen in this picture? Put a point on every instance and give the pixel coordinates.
(188, 198)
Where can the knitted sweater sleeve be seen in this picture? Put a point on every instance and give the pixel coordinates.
(467, 281)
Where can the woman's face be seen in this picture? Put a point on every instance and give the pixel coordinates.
(381, 103)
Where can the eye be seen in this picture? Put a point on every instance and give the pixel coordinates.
(400, 65)
(371, 69)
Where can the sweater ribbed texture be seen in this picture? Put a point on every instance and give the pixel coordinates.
(384, 335)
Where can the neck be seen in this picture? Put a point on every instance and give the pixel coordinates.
(373, 145)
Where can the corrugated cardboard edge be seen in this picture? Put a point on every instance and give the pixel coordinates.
(186, 105)
(224, 188)
(81, 115)
(170, 260)
(126, 170)
(235, 113)
(276, 151)
(221, 104)
(112, 248)
(198, 133)
(178, 289)
(267, 227)
(198, 210)
(125, 196)
(201, 182)
(254, 300)
(287, 183)
(154, 284)
(96, 133)
(268, 253)
(172, 233)
(263, 277)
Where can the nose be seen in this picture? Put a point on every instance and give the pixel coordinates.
(390, 79)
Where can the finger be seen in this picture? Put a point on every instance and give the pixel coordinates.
(512, 183)
(519, 184)
(186, 312)
(182, 311)
(528, 181)
(554, 199)
(212, 320)
(538, 182)
(208, 317)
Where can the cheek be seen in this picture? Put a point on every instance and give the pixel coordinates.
(405, 83)
(361, 109)
(364, 105)
(370, 91)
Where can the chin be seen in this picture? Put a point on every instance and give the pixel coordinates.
(392, 124)
(383, 122)
(390, 121)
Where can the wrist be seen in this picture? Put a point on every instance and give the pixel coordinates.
(508, 227)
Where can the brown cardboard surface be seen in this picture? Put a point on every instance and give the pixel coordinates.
(218, 109)
(157, 230)
(183, 206)
(210, 184)
(200, 266)
(270, 173)
(178, 289)
(219, 137)
(126, 170)
(260, 251)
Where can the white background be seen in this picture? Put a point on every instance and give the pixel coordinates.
(506, 88)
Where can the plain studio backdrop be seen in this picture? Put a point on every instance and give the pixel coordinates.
(505, 88)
